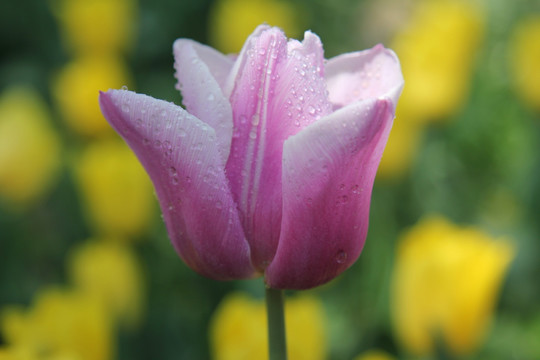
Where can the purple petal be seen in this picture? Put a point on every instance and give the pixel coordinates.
(180, 153)
(279, 89)
(199, 70)
(363, 75)
(218, 64)
(328, 173)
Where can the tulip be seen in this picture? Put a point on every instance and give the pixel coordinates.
(269, 168)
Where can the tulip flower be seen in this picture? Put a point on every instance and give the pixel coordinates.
(270, 166)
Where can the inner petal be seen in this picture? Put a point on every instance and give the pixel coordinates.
(278, 91)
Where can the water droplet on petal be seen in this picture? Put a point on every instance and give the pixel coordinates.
(341, 257)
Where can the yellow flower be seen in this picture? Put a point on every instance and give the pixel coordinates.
(117, 193)
(375, 355)
(525, 60)
(109, 272)
(96, 26)
(229, 36)
(61, 325)
(445, 285)
(239, 329)
(437, 50)
(29, 147)
(402, 146)
(77, 87)
(26, 353)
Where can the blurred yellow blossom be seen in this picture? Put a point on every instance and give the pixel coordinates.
(232, 21)
(437, 50)
(401, 148)
(29, 146)
(79, 20)
(77, 87)
(118, 197)
(109, 272)
(445, 285)
(525, 60)
(239, 329)
(27, 353)
(375, 355)
(60, 325)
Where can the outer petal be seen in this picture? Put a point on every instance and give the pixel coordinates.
(199, 71)
(279, 89)
(180, 154)
(363, 75)
(328, 173)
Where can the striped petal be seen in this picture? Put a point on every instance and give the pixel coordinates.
(279, 90)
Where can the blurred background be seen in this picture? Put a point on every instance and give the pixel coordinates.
(450, 268)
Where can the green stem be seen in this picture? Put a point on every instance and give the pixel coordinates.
(277, 343)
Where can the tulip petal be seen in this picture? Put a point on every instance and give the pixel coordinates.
(200, 70)
(279, 90)
(362, 75)
(180, 153)
(328, 173)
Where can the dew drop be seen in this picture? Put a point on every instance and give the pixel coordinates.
(172, 171)
(311, 110)
(341, 257)
(124, 87)
(145, 141)
(211, 97)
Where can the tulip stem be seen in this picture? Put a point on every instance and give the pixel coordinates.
(277, 343)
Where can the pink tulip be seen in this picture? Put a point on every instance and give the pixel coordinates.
(270, 166)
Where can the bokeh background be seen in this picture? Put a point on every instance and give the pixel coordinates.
(450, 268)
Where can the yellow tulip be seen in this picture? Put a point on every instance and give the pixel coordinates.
(29, 147)
(62, 324)
(445, 286)
(77, 87)
(229, 36)
(118, 197)
(108, 271)
(79, 20)
(437, 51)
(239, 329)
(525, 60)
(402, 146)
